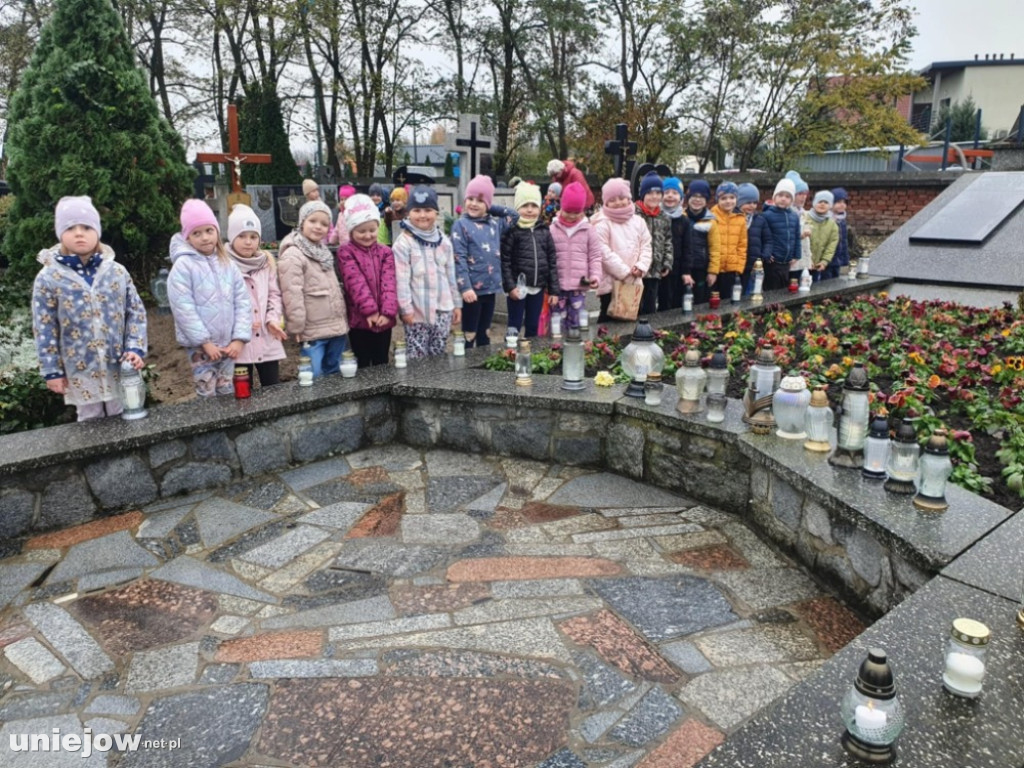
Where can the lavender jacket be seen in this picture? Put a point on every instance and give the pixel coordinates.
(208, 298)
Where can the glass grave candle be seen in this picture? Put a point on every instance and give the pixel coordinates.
(401, 355)
(459, 344)
(765, 375)
(718, 372)
(872, 711)
(818, 422)
(864, 267)
(853, 420)
(243, 385)
(573, 363)
(349, 366)
(641, 357)
(737, 291)
(305, 372)
(592, 316)
(511, 338)
(158, 287)
(716, 405)
(934, 471)
(758, 294)
(687, 300)
(556, 325)
(789, 403)
(690, 380)
(133, 392)
(524, 364)
(904, 460)
(966, 648)
(876, 449)
(715, 301)
(653, 389)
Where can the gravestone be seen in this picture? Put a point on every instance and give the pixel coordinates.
(287, 201)
(263, 204)
(474, 149)
(620, 148)
(969, 236)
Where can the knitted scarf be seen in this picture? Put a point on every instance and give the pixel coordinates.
(425, 236)
(674, 212)
(618, 215)
(318, 252)
(254, 263)
(819, 217)
(652, 212)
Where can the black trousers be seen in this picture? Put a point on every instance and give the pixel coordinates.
(370, 347)
(776, 275)
(270, 373)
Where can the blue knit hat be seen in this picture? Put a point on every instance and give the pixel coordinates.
(423, 197)
(726, 188)
(699, 187)
(649, 183)
(375, 189)
(840, 194)
(748, 193)
(798, 182)
(672, 183)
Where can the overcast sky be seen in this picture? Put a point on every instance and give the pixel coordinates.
(955, 30)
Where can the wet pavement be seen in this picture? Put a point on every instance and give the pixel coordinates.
(404, 608)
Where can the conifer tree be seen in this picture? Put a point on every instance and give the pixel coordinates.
(261, 129)
(83, 122)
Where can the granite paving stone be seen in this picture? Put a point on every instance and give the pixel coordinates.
(647, 521)
(445, 494)
(69, 639)
(834, 624)
(215, 725)
(579, 524)
(729, 696)
(759, 645)
(218, 674)
(528, 568)
(409, 600)
(564, 758)
(92, 582)
(665, 608)
(298, 569)
(503, 610)
(13, 633)
(762, 588)
(21, 706)
(603, 490)
(441, 463)
(157, 525)
(536, 588)
(389, 557)
(170, 667)
(342, 515)
(229, 625)
(177, 501)
(635, 533)
(595, 726)
(313, 668)
(313, 474)
(354, 612)
(685, 655)
(106, 725)
(756, 552)
(602, 684)
(650, 719)
(616, 643)
(15, 577)
(391, 457)
(221, 520)
(277, 645)
(286, 547)
(382, 518)
(341, 489)
(86, 531)
(112, 552)
(489, 501)
(145, 614)
(684, 747)
(453, 663)
(265, 495)
(677, 509)
(114, 704)
(34, 660)
(690, 541)
(195, 573)
(65, 725)
(390, 627)
(439, 529)
(717, 557)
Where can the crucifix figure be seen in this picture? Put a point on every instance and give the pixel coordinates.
(235, 157)
(620, 148)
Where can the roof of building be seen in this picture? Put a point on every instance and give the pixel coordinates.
(996, 60)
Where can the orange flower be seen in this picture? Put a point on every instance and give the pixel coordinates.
(934, 381)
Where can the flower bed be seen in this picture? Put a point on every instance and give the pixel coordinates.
(943, 364)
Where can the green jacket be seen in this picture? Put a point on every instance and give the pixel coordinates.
(824, 240)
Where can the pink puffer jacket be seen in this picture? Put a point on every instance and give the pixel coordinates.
(624, 246)
(579, 253)
(368, 277)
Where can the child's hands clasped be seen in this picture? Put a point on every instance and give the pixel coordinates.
(276, 331)
(137, 362)
(234, 349)
(212, 351)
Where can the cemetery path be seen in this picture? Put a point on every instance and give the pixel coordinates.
(405, 608)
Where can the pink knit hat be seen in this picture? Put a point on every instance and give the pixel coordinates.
(613, 188)
(345, 192)
(196, 214)
(481, 186)
(574, 198)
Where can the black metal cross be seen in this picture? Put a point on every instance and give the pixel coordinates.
(202, 180)
(620, 147)
(472, 142)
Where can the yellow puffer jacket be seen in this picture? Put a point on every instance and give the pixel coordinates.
(732, 242)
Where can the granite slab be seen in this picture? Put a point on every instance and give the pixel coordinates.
(69, 639)
(993, 563)
(114, 552)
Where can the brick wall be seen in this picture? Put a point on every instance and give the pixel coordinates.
(880, 203)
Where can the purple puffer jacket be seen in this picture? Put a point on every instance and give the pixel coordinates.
(368, 277)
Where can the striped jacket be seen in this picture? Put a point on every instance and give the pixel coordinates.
(425, 277)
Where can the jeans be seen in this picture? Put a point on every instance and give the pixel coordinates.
(325, 355)
(531, 306)
(476, 320)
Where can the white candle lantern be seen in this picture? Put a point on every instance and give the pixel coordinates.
(718, 372)
(789, 404)
(573, 363)
(459, 344)
(133, 392)
(872, 712)
(935, 470)
(758, 295)
(876, 450)
(690, 380)
(305, 372)
(904, 460)
(349, 365)
(524, 364)
(401, 355)
(818, 422)
(853, 420)
(966, 648)
(641, 357)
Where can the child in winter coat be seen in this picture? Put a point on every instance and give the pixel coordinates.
(393, 214)
(313, 304)
(670, 290)
(759, 235)
(259, 271)
(579, 253)
(726, 266)
(209, 300)
(428, 295)
(625, 240)
(703, 240)
(824, 236)
(367, 271)
(848, 248)
(87, 317)
(784, 224)
(648, 209)
(799, 199)
(552, 202)
(528, 252)
(476, 239)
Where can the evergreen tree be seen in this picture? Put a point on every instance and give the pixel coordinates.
(83, 122)
(964, 115)
(261, 130)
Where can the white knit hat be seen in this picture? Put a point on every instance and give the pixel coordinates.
(360, 209)
(787, 186)
(243, 219)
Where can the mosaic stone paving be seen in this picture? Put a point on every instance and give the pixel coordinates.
(407, 609)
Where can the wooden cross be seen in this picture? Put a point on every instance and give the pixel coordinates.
(620, 147)
(233, 155)
(473, 143)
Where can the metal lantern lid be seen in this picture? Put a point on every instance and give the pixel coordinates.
(758, 264)
(970, 632)
(719, 361)
(819, 399)
(857, 379)
(794, 382)
(573, 334)
(643, 330)
(880, 428)
(653, 378)
(692, 358)
(905, 433)
(524, 347)
(766, 356)
(875, 678)
(937, 444)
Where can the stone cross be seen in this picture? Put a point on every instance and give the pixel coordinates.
(620, 148)
(467, 143)
(234, 154)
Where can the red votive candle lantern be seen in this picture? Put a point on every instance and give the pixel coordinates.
(243, 386)
(715, 301)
